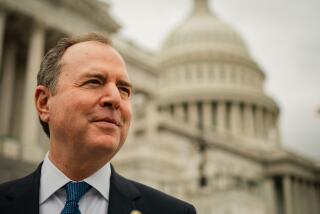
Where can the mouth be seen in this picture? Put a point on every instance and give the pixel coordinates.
(108, 120)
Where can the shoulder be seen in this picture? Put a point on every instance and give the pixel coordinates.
(163, 200)
(21, 195)
(155, 199)
(32, 178)
(8, 192)
(14, 184)
(13, 188)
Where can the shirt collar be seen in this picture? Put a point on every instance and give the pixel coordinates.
(52, 179)
(100, 180)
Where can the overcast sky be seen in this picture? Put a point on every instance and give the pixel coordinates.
(283, 37)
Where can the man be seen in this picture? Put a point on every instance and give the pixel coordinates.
(83, 102)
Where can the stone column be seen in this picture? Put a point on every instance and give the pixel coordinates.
(295, 196)
(287, 189)
(313, 199)
(299, 208)
(180, 74)
(2, 31)
(264, 125)
(206, 74)
(248, 120)
(268, 125)
(303, 199)
(193, 71)
(273, 129)
(179, 112)
(207, 114)
(317, 190)
(228, 79)
(314, 202)
(317, 197)
(151, 120)
(193, 113)
(221, 116)
(30, 123)
(258, 121)
(278, 137)
(235, 118)
(7, 88)
(306, 198)
(270, 196)
(294, 199)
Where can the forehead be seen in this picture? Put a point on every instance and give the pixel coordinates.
(92, 53)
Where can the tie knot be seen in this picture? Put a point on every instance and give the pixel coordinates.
(75, 190)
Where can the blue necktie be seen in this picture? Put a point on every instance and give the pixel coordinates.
(75, 190)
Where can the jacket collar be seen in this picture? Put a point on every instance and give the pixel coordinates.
(124, 196)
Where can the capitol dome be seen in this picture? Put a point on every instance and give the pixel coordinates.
(203, 31)
(209, 79)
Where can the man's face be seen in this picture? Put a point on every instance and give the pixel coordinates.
(90, 110)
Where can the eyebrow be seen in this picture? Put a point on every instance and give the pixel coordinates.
(124, 83)
(102, 77)
(96, 75)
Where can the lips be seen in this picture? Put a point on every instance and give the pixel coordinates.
(108, 120)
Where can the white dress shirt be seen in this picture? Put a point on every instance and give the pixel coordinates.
(53, 196)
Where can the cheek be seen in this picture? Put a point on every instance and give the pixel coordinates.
(127, 115)
(127, 112)
(65, 110)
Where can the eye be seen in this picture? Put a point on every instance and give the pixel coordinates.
(93, 82)
(125, 91)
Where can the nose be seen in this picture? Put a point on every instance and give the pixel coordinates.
(111, 97)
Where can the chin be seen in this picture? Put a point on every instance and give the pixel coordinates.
(106, 145)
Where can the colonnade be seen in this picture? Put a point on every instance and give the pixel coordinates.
(212, 74)
(239, 118)
(301, 195)
(288, 194)
(30, 123)
(18, 80)
(2, 30)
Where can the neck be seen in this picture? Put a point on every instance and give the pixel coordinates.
(76, 166)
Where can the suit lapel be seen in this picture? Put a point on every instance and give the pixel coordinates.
(23, 197)
(124, 196)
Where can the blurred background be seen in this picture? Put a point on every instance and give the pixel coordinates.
(283, 37)
(226, 112)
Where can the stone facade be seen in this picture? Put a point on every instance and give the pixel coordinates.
(204, 130)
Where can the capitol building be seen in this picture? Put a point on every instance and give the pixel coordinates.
(204, 129)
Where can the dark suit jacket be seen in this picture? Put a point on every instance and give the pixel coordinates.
(22, 197)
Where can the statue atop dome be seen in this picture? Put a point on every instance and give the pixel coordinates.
(201, 7)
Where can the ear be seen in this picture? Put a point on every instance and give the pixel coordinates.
(42, 96)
